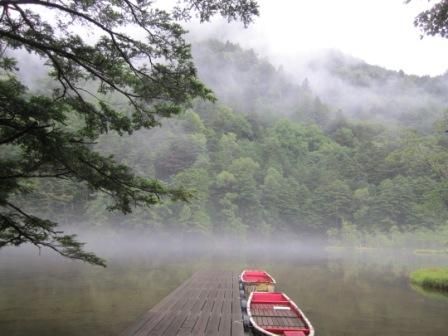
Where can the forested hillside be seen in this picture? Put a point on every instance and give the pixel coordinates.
(274, 156)
(368, 92)
(349, 86)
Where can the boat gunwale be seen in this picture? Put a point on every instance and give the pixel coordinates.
(257, 282)
(268, 333)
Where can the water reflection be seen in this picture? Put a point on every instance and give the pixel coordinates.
(345, 293)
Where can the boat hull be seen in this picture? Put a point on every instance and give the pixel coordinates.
(257, 281)
(275, 314)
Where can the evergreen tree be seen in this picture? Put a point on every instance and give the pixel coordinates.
(52, 135)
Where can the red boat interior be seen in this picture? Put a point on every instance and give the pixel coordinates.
(274, 313)
(256, 276)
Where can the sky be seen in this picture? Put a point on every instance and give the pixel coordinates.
(380, 32)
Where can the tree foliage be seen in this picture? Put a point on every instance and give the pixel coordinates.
(434, 21)
(300, 179)
(117, 66)
(273, 172)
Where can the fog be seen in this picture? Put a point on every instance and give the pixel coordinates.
(246, 81)
(121, 246)
(384, 97)
(381, 33)
(322, 161)
(394, 82)
(345, 38)
(379, 95)
(144, 244)
(349, 86)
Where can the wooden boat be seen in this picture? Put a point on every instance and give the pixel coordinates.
(256, 281)
(276, 314)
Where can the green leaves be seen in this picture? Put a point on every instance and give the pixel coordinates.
(18, 227)
(132, 69)
(35, 128)
(154, 78)
(435, 20)
(242, 10)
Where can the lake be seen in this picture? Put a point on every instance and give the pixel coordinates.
(362, 293)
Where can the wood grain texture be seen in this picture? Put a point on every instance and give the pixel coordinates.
(206, 304)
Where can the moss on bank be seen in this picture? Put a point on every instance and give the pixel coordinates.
(436, 278)
(430, 293)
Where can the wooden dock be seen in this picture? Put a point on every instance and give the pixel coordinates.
(206, 304)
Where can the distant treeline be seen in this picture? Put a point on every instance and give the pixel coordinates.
(278, 160)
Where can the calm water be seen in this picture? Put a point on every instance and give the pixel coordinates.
(362, 294)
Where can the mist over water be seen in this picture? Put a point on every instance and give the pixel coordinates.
(283, 144)
(343, 292)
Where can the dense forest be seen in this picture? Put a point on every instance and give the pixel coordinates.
(276, 155)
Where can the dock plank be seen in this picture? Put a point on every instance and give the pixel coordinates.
(206, 304)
